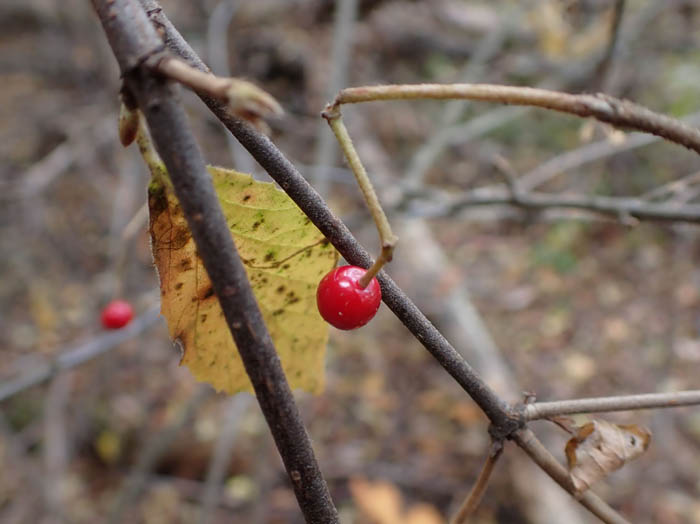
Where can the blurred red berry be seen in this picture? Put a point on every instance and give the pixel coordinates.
(117, 314)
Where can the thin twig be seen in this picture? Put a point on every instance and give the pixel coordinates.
(387, 238)
(460, 133)
(75, 356)
(489, 45)
(472, 501)
(134, 41)
(343, 25)
(529, 443)
(590, 153)
(218, 24)
(539, 410)
(614, 111)
(673, 189)
(509, 175)
(611, 206)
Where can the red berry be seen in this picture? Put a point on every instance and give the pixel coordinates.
(117, 314)
(343, 303)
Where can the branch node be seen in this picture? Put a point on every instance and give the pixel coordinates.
(514, 421)
(331, 111)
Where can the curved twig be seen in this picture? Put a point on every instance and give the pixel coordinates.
(610, 206)
(470, 504)
(617, 112)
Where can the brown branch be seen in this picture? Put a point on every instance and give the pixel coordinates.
(472, 501)
(75, 356)
(608, 109)
(610, 206)
(133, 40)
(539, 410)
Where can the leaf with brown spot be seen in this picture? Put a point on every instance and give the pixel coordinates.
(269, 228)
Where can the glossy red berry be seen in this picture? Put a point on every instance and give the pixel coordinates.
(117, 314)
(343, 303)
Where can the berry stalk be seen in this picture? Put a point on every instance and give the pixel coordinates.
(386, 236)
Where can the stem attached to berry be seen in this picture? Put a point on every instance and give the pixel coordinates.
(386, 236)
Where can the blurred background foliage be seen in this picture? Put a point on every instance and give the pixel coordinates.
(576, 305)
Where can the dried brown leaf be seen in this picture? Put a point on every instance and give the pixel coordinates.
(600, 447)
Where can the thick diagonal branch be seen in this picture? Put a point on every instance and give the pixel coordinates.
(133, 39)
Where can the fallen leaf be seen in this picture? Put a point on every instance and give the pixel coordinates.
(381, 503)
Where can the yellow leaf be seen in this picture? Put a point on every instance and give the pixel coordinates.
(285, 258)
